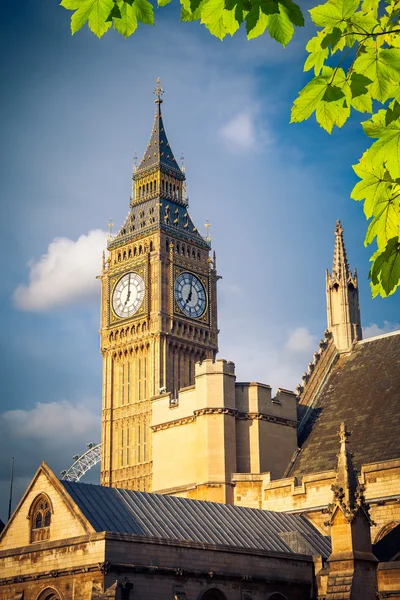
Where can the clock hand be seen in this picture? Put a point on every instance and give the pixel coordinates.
(129, 292)
(188, 299)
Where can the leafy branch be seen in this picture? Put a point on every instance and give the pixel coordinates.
(370, 84)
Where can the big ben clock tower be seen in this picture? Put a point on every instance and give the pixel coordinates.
(159, 310)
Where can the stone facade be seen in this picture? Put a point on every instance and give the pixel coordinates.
(78, 563)
(216, 428)
(151, 337)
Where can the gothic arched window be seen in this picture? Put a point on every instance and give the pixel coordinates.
(40, 519)
(49, 594)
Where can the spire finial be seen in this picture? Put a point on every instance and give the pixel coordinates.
(340, 269)
(135, 167)
(343, 434)
(207, 225)
(183, 168)
(110, 226)
(158, 92)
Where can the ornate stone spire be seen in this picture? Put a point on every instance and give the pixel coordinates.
(158, 152)
(343, 310)
(340, 268)
(348, 494)
(351, 565)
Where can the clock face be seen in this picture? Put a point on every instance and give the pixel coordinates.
(190, 295)
(128, 295)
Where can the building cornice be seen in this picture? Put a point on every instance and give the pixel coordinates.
(248, 416)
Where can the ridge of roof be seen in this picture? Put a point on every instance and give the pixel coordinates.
(379, 337)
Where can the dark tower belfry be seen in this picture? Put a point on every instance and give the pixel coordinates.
(343, 309)
(159, 310)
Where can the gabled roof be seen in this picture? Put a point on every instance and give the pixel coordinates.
(181, 519)
(363, 390)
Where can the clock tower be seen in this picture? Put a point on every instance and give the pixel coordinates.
(158, 310)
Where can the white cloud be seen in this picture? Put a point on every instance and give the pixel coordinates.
(52, 432)
(373, 329)
(239, 132)
(301, 341)
(58, 422)
(64, 275)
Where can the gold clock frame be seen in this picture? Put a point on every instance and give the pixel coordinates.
(142, 270)
(205, 281)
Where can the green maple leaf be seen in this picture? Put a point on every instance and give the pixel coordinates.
(252, 18)
(259, 27)
(371, 7)
(187, 14)
(212, 17)
(385, 270)
(382, 67)
(317, 55)
(115, 13)
(95, 13)
(385, 223)
(71, 4)
(294, 12)
(280, 26)
(127, 24)
(386, 150)
(333, 13)
(310, 96)
(362, 103)
(230, 22)
(144, 11)
(393, 112)
(332, 38)
(359, 84)
(374, 187)
(330, 113)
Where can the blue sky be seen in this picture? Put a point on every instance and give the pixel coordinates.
(74, 111)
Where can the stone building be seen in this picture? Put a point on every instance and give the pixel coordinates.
(89, 542)
(283, 518)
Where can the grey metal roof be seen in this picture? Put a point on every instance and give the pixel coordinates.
(181, 519)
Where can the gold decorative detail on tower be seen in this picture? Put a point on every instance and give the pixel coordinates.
(158, 310)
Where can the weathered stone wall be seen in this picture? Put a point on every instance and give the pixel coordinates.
(219, 428)
(68, 587)
(389, 580)
(382, 490)
(63, 521)
(156, 570)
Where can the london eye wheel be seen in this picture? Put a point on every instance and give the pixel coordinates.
(83, 463)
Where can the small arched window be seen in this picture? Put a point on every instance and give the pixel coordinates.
(40, 519)
(49, 594)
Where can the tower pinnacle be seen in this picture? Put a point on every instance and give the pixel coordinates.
(158, 154)
(343, 310)
(346, 477)
(158, 92)
(340, 265)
